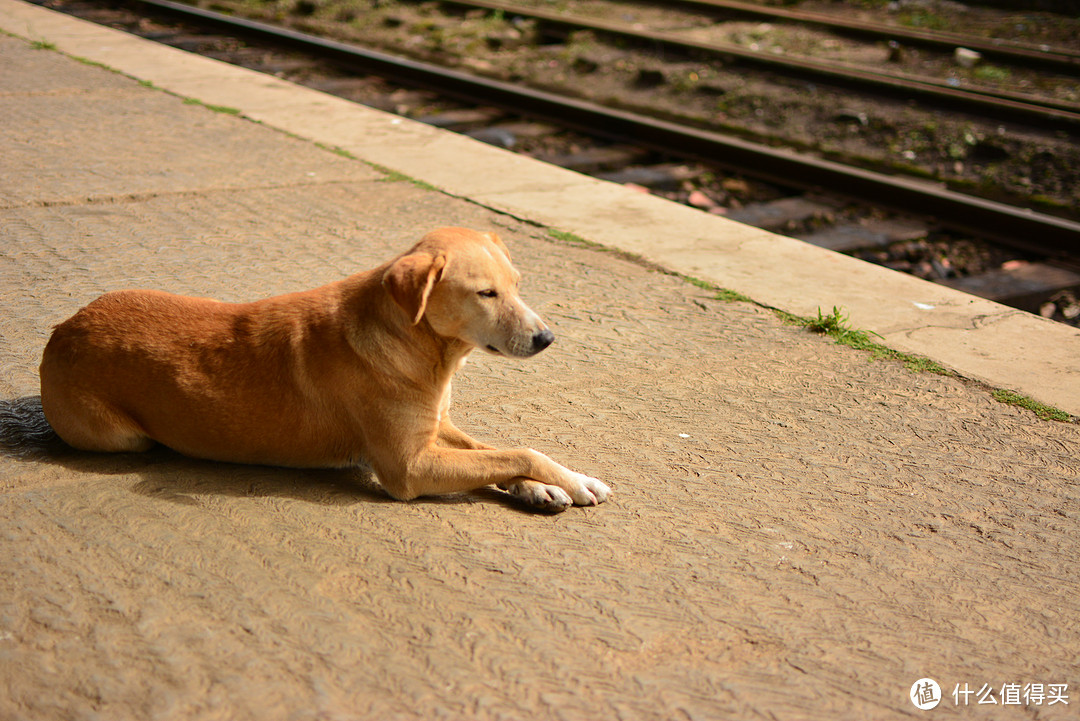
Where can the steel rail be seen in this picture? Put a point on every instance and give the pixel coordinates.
(1059, 59)
(1016, 227)
(999, 104)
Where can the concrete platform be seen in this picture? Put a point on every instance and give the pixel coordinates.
(979, 339)
(797, 532)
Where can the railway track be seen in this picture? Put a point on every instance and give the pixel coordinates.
(685, 163)
(1041, 111)
(1054, 59)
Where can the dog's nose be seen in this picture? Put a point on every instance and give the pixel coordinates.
(542, 340)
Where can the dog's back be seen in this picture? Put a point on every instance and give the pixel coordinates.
(139, 349)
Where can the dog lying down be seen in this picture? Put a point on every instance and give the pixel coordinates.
(357, 371)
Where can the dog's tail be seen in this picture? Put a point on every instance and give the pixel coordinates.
(24, 432)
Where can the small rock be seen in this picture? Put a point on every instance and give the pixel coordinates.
(711, 89)
(896, 52)
(585, 65)
(478, 64)
(650, 78)
(699, 199)
(498, 137)
(504, 39)
(852, 116)
(989, 150)
(736, 186)
(966, 58)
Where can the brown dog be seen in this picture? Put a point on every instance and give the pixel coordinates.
(355, 371)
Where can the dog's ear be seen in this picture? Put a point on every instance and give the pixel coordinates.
(498, 242)
(409, 281)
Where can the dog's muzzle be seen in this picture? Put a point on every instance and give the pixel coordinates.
(523, 348)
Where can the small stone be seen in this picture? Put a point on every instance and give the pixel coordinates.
(650, 78)
(736, 186)
(699, 199)
(498, 137)
(966, 58)
(585, 66)
(896, 52)
(711, 89)
(853, 116)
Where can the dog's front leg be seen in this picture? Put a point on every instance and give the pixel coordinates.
(450, 436)
(447, 470)
(535, 493)
(532, 492)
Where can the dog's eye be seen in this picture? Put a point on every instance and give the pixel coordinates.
(488, 293)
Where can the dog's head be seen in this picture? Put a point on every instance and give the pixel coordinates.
(461, 282)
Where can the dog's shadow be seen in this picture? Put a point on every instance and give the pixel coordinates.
(25, 435)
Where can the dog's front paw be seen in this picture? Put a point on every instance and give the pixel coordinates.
(540, 495)
(588, 491)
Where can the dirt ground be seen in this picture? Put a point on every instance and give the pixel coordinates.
(796, 532)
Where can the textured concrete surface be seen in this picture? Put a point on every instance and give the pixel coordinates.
(797, 532)
(980, 339)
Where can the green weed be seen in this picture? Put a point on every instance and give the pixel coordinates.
(336, 150)
(835, 325)
(992, 73)
(572, 239)
(216, 108)
(1047, 413)
(393, 176)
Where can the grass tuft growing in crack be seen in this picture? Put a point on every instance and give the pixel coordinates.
(835, 325)
(393, 176)
(1047, 413)
(216, 108)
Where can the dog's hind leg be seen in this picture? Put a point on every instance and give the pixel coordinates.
(89, 424)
